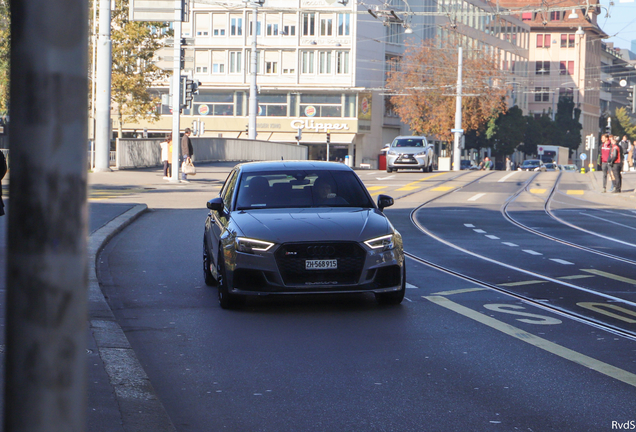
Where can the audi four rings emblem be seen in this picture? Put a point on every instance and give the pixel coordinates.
(321, 250)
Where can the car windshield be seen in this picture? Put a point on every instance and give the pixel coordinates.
(531, 163)
(408, 142)
(301, 189)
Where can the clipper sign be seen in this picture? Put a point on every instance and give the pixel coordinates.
(318, 127)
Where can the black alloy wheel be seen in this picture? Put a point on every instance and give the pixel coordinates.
(207, 274)
(394, 297)
(226, 300)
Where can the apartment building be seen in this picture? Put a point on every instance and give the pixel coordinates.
(322, 65)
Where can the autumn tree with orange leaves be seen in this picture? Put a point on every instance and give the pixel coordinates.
(424, 85)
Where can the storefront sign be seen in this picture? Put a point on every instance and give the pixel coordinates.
(203, 110)
(318, 127)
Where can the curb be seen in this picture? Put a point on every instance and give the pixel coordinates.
(139, 407)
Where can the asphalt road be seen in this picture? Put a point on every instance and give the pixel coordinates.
(455, 356)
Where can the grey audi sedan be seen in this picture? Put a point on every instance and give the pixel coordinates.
(300, 227)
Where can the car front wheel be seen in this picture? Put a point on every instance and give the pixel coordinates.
(207, 274)
(226, 300)
(394, 297)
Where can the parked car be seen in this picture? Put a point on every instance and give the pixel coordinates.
(551, 167)
(532, 165)
(300, 227)
(570, 167)
(412, 152)
(466, 164)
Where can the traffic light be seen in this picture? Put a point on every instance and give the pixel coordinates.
(188, 89)
(182, 59)
(328, 137)
(588, 142)
(632, 99)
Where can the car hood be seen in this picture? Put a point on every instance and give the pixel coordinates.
(329, 224)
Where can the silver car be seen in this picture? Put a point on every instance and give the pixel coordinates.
(410, 152)
(300, 228)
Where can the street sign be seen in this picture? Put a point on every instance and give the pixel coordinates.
(156, 10)
(583, 156)
(461, 131)
(540, 151)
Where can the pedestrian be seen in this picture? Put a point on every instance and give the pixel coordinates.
(603, 156)
(186, 151)
(508, 164)
(615, 162)
(488, 164)
(166, 150)
(630, 157)
(3, 171)
(624, 145)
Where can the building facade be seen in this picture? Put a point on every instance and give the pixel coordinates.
(322, 67)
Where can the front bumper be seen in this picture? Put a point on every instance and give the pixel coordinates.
(406, 161)
(283, 271)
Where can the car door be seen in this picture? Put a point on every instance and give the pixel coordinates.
(217, 221)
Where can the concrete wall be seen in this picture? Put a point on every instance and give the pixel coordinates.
(140, 153)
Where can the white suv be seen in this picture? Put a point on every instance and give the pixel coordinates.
(409, 152)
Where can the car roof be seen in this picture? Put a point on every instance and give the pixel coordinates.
(292, 165)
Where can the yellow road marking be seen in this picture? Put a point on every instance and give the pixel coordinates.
(600, 308)
(376, 187)
(551, 347)
(537, 191)
(574, 192)
(529, 282)
(460, 291)
(415, 185)
(610, 276)
(575, 277)
(443, 188)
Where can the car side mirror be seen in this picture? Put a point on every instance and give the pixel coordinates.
(216, 204)
(384, 201)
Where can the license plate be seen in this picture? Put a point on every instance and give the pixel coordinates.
(321, 264)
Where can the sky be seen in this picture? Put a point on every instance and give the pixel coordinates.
(621, 24)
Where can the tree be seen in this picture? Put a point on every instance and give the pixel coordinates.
(134, 44)
(539, 130)
(5, 55)
(567, 124)
(506, 131)
(425, 82)
(621, 118)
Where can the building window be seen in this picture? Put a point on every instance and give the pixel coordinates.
(309, 24)
(566, 92)
(258, 28)
(566, 68)
(217, 104)
(324, 61)
(542, 94)
(543, 40)
(271, 67)
(326, 27)
(289, 25)
(526, 16)
(564, 41)
(235, 61)
(344, 24)
(307, 62)
(556, 15)
(202, 24)
(571, 41)
(342, 62)
(321, 105)
(272, 29)
(289, 62)
(236, 26)
(272, 105)
(218, 24)
(393, 33)
(542, 68)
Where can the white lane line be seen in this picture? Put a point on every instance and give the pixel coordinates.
(509, 244)
(531, 252)
(490, 236)
(503, 179)
(608, 221)
(469, 225)
(560, 261)
(476, 197)
(480, 231)
(409, 286)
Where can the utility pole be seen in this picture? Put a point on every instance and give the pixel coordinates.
(47, 277)
(176, 91)
(102, 98)
(253, 89)
(458, 114)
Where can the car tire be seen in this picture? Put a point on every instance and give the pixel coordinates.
(207, 274)
(394, 297)
(389, 170)
(226, 300)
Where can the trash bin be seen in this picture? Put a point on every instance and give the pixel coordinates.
(382, 161)
(347, 161)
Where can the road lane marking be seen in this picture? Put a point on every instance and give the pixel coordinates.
(476, 197)
(510, 244)
(503, 179)
(409, 286)
(479, 231)
(599, 307)
(560, 261)
(372, 188)
(528, 282)
(609, 221)
(575, 277)
(469, 225)
(574, 192)
(385, 178)
(610, 276)
(415, 185)
(494, 237)
(443, 188)
(459, 291)
(529, 338)
(537, 191)
(531, 252)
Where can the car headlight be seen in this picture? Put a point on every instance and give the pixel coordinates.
(422, 153)
(248, 245)
(384, 242)
(392, 153)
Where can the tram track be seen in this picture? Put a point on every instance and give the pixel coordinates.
(527, 299)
